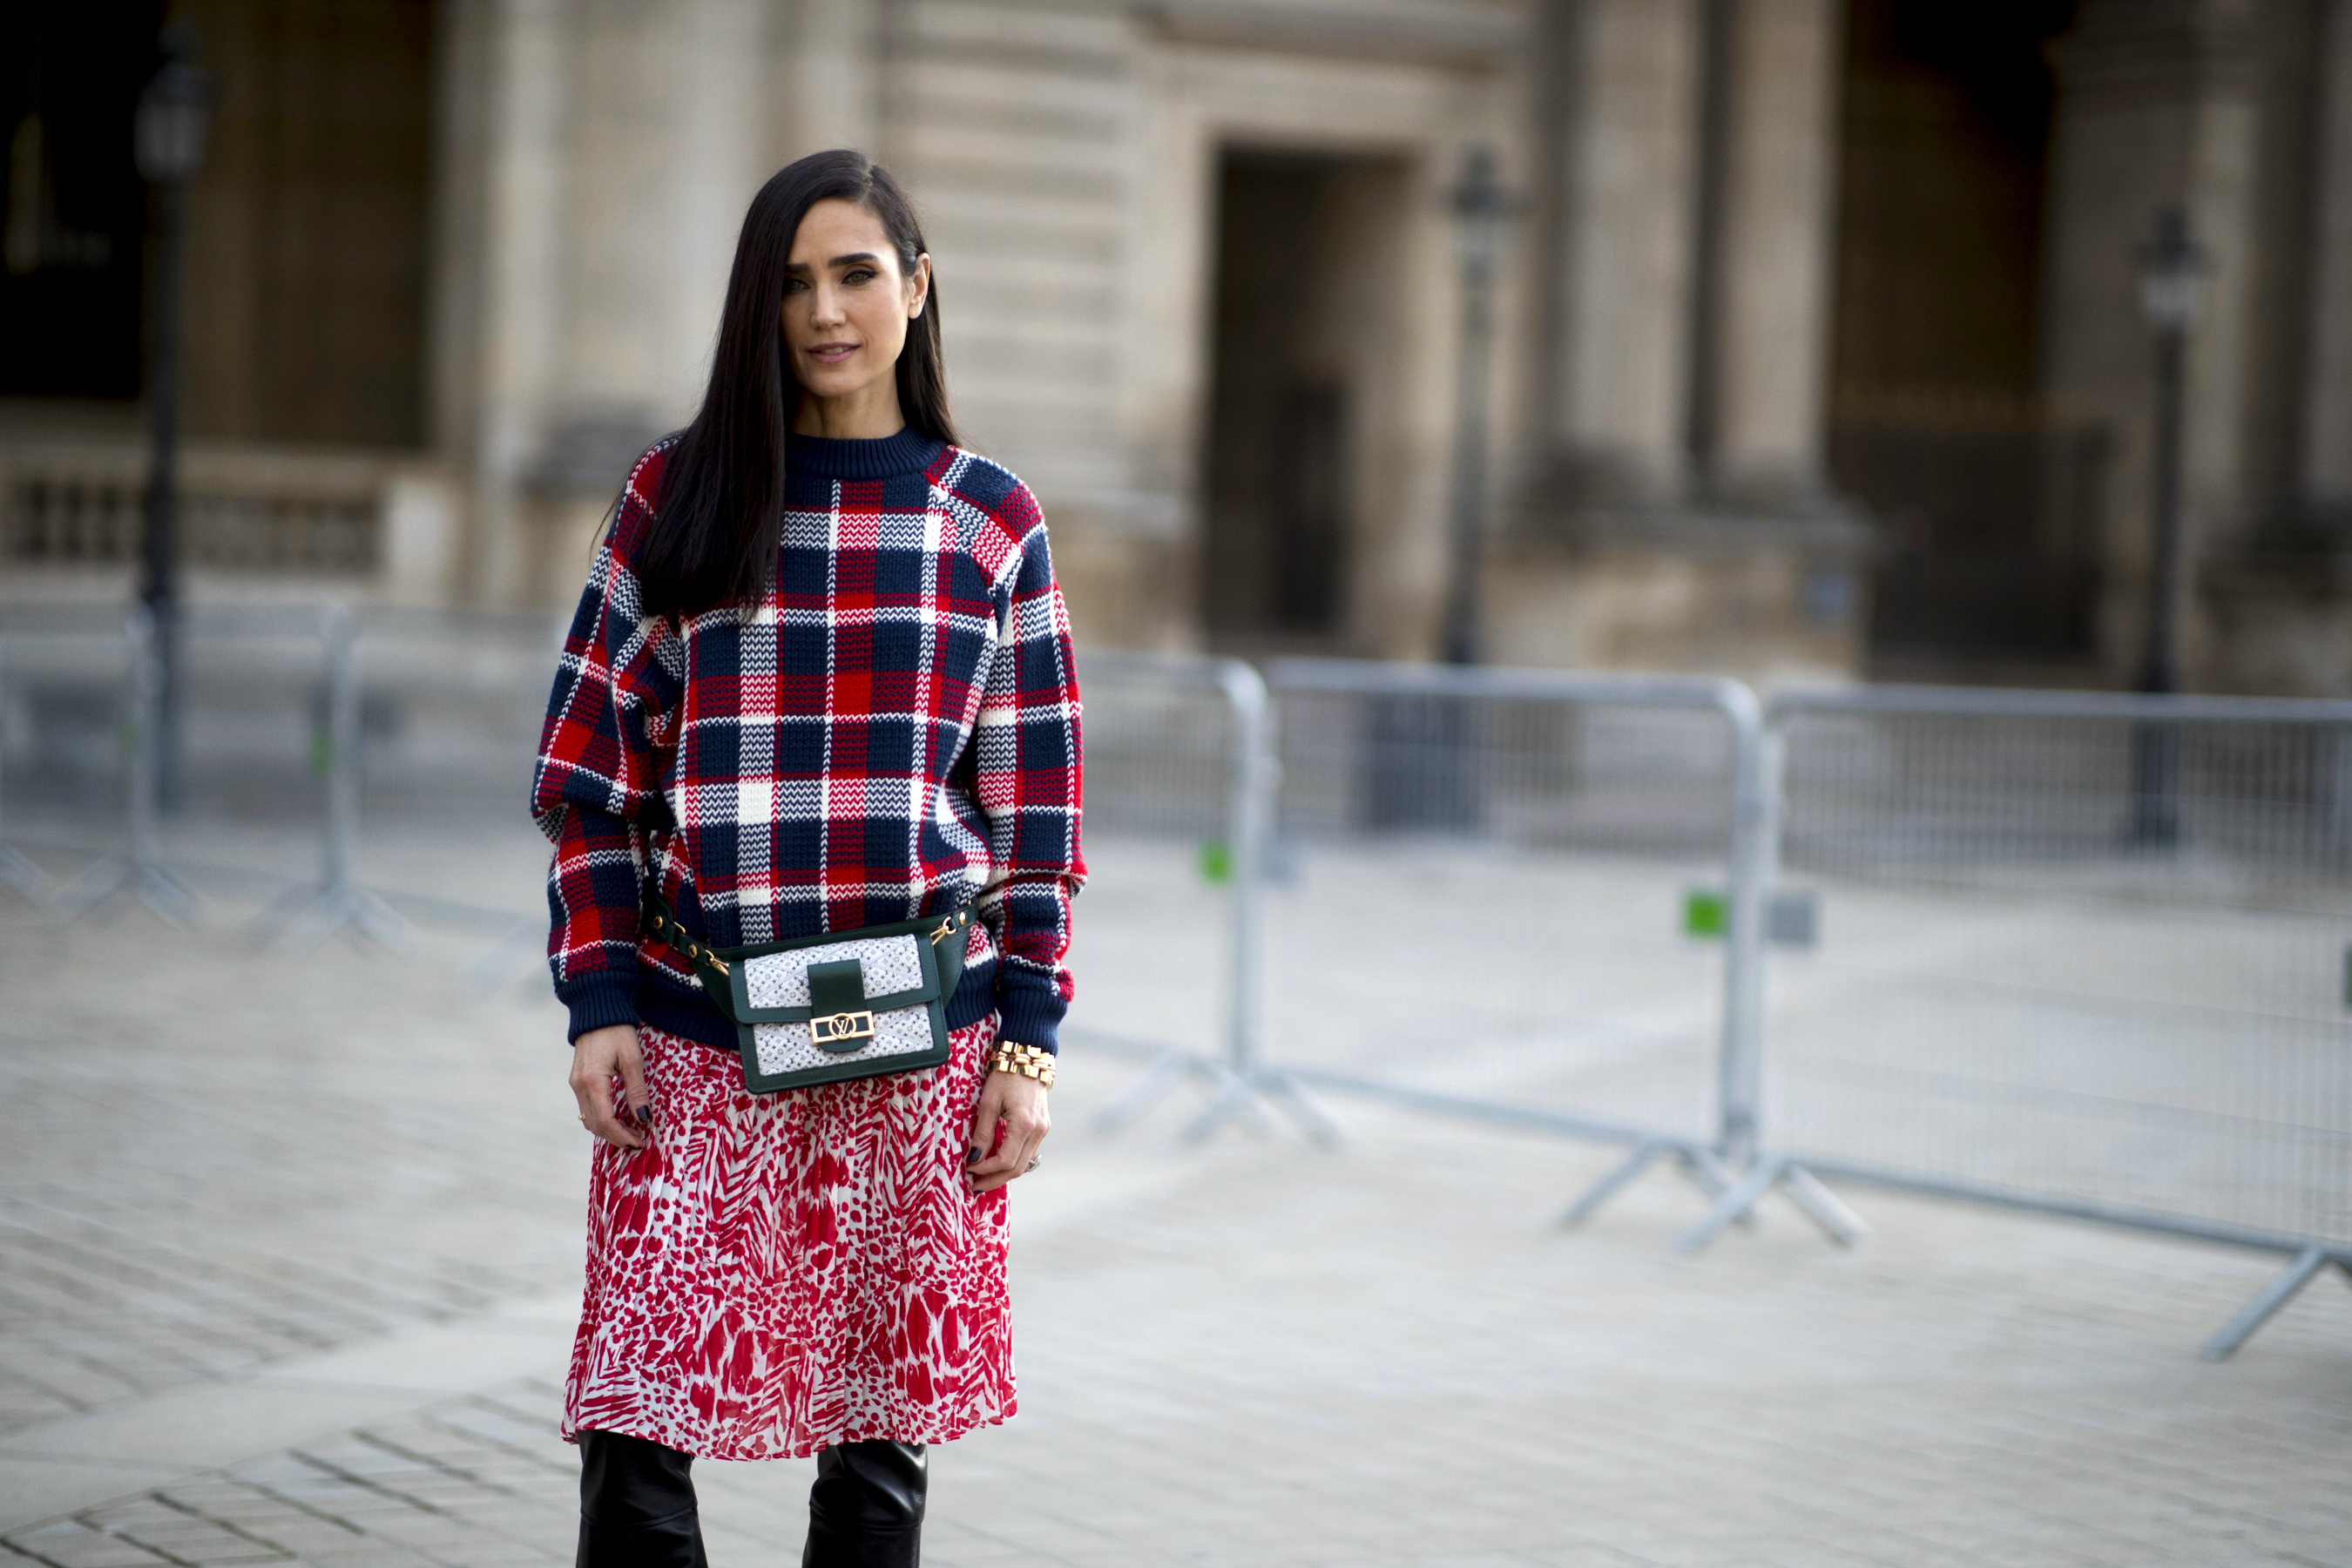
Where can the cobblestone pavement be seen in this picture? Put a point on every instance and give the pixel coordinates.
(1253, 1353)
(227, 1157)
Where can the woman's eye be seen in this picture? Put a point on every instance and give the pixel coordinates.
(793, 286)
(859, 275)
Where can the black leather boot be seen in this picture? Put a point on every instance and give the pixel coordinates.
(637, 1505)
(866, 1508)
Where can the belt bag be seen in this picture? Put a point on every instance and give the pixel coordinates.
(849, 1003)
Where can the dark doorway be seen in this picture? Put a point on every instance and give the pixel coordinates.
(75, 222)
(1987, 502)
(1302, 332)
(308, 229)
(309, 233)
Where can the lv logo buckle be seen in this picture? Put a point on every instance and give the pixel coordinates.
(834, 1029)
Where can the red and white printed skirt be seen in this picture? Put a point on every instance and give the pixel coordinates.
(778, 1273)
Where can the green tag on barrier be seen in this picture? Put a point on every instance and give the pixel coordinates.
(1216, 861)
(1707, 912)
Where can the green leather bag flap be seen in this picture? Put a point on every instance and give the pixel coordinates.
(837, 987)
(839, 1019)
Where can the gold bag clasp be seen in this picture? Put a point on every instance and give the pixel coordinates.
(834, 1027)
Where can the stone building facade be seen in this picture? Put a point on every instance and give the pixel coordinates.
(1818, 352)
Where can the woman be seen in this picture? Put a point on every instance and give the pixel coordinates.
(821, 680)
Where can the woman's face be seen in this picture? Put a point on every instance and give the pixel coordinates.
(848, 301)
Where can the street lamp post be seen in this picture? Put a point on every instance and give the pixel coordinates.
(1481, 207)
(168, 138)
(2171, 280)
(1422, 750)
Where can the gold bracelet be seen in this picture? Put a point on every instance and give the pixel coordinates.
(1029, 1061)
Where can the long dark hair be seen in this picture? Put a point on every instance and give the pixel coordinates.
(719, 517)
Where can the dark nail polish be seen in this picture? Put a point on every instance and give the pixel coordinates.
(644, 1115)
(971, 1156)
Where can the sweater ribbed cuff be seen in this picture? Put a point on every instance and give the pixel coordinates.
(600, 1000)
(1030, 1019)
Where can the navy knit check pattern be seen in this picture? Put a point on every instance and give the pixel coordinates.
(892, 729)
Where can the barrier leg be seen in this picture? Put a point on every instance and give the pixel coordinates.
(1246, 1095)
(1622, 1176)
(138, 876)
(1840, 1224)
(1154, 1080)
(1710, 1175)
(337, 904)
(1805, 1190)
(1698, 1162)
(1284, 1091)
(346, 910)
(1244, 1092)
(2281, 1290)
(1738, 1201)
(1238, 1099)
(23, 879)
(488, 970)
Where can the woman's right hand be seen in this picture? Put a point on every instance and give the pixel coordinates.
(598, 1058)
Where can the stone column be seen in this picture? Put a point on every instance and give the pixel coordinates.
(828, 78)
(1627, 165)
(2327, 407)
(2158, 103)
(504, 70)
(661, 173)
(1779, 168)
(598, 159)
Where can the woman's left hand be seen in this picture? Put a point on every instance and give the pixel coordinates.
(1016, 1104)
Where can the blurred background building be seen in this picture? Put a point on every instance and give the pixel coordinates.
(1820, 343)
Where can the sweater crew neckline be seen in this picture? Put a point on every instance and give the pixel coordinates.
(834, 457)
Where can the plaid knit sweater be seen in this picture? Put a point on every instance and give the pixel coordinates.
(891, 730)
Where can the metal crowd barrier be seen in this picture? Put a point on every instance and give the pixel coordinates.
(291, 715)
(1490, 874)
(2084, 954)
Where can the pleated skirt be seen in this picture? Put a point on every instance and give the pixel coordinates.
(778, 1273)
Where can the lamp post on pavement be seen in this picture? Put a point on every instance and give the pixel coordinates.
(1422, 750)
(173, 119)
(2172, 286)
(1480, 208)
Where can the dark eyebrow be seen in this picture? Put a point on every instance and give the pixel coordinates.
(865, 255)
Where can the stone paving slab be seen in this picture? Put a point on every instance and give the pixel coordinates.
(69, 1464)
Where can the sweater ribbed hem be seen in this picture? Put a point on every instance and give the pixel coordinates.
(831, 458)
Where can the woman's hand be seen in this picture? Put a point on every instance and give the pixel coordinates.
(598, 1058)
(1015, 1105)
